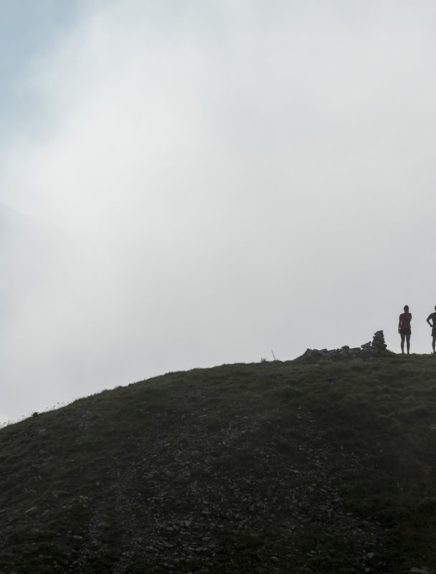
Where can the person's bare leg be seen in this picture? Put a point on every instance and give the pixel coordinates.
(434, 344)
(408, 344)
(402, 344)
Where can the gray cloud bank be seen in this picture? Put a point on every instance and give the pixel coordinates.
(210, 181)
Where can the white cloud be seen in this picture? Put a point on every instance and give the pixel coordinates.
(228, 177)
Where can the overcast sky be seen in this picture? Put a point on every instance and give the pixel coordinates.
(186, 183)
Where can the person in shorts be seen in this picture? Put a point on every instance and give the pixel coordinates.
(432, 318)
(404, 328)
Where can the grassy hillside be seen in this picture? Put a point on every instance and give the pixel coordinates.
(324, 466)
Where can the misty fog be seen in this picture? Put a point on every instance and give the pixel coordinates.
(201, 183)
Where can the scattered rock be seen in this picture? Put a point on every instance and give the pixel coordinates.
(378, 346)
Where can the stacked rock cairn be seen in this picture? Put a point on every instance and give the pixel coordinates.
(378, 342)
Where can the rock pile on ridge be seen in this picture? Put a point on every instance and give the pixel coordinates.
(378, 346)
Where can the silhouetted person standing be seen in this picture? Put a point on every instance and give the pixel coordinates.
(432, 318)
(404, 328)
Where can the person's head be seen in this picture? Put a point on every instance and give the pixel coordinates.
(406, 308)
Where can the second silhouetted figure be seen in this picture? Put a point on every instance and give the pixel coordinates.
(432, 318)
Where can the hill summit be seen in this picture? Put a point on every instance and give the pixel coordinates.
(310, 467)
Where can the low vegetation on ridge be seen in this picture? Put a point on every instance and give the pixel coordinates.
(313, 466)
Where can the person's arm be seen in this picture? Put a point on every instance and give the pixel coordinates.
(428, 320)
(399, 323)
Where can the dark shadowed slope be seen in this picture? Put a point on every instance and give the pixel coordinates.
(305, 467)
